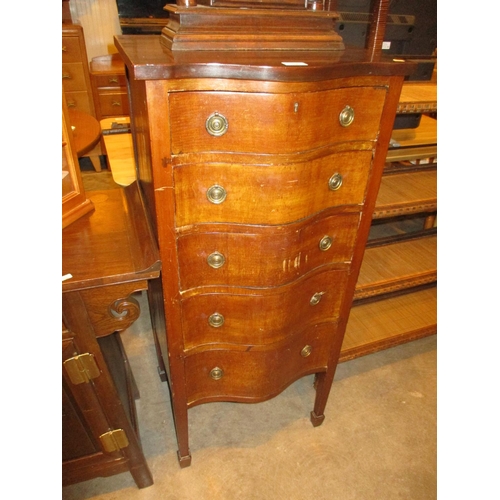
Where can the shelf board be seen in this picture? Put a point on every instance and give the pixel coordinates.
(418, 98)
(397, 266)
(374, 326)
(414, 143)
(407, 193)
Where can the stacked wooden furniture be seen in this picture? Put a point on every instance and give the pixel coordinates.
(395, 297)
(76, 83)
(109, 86)
(260, 169)
(75, 70)
(107, 256)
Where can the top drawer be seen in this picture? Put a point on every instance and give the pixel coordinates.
(110, 80)
(273, 123)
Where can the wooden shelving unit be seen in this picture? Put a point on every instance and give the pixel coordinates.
(395, 299)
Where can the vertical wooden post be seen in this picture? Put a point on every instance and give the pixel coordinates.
(378, 23)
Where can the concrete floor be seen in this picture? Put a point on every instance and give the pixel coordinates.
(378, 440)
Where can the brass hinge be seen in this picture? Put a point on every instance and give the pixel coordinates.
(82, 368)
(114, 440)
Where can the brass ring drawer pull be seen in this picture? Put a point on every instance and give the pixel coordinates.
(216, 320)
(306, 351)
(335, 182)
(325, 243)
(216, 260)
(216, 194)
(346, 116)
(216, 124)
(216, 373)
(315, 299)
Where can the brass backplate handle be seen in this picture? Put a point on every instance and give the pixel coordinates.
(216, 320)
(306, 351)
(216, 260)
(335, 182)
(216, 124)
(325, 243)
(216, 373)
(316, 298)
(216, 194)
(346, 116)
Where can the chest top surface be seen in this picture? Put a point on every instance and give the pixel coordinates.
(147, 59)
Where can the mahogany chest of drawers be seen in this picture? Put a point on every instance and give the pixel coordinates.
(261, 180)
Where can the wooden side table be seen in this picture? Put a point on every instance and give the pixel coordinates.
(107, 256)
(86, 134)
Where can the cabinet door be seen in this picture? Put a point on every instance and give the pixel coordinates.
(84, 424)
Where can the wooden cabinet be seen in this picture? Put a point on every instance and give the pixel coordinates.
(109, 86)
(107, 256)
(395, 299)
(75, 203)
(75, 70)
(261, 189)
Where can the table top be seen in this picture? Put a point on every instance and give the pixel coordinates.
(113, 244)
(86, 131)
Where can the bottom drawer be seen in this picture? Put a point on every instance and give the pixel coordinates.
(113, 103)
(257, 373)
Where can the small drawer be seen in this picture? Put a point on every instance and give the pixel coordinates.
(269, 194)
(79, 101)
(273, 123)
(113, 103)
(73, 77)
(71, 50)
(109, 81)
(264, 256)
(256, 374)
(257, 317)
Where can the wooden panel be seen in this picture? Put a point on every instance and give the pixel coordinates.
(378, 325)
(397, 266)
(291, 122)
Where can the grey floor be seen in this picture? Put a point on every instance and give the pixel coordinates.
(378, 440)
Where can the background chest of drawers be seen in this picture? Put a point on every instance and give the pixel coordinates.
(261, 192)
(75, 72)
(109, 86)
